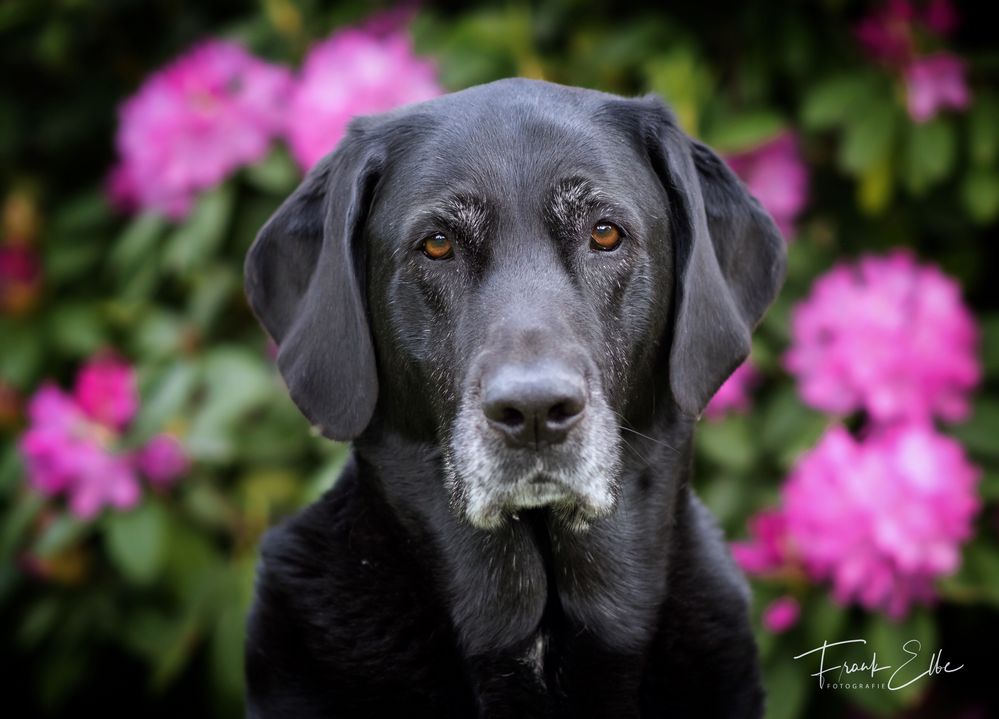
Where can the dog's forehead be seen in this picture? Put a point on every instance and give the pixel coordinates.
(509, 140)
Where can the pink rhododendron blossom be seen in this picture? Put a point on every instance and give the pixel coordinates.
(733, 395)
(940, 17)
(72, 446)
(194, 122)
(106, 391)
(162, 460)
(767, 551)
(887, 335)
(354, 72)
(935, 83)
(886, 34)
(782, 614)
(881, 518)
(776, 175)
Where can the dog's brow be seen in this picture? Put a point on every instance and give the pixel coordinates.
(570, 198)
(468, 214)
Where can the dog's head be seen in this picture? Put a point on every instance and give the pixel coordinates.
(511, 273)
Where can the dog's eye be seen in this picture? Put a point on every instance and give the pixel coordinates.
(605, 236)
(437, 247)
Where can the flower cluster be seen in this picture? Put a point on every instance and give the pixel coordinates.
(777, 176)
(881, 515)
(733, 395)
(933, 82)
(193, 123)
(73, 445)
(354, 72)
(880, 518)
(218, 108)
(887, 336)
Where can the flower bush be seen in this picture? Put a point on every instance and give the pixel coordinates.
(191, 124)
(70, 447)
(146, 442)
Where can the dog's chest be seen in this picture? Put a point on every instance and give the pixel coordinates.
(534, 657)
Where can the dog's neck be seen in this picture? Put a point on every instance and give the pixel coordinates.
(505, 585)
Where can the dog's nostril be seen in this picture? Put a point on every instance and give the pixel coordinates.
(564, 411)
(511, 417)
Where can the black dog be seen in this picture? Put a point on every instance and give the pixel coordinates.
(516, 300)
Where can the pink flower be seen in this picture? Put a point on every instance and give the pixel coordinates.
(781, 615)
(934, 83)
(48, 445)
(881, 518)
(776, 175)
(940, 17)
(733, 395)
(73, 444)
(193, 123)
(106, 391)
(65, 451)
(162, 460)
(355, 72)
(886, 335)
(768, 550)
(887, 33)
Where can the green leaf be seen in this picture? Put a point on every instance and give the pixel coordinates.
(983, 130)
(977, 579)
(930, 152)
(16, 521)
(64, 531)
(824, 621)
(165, 399)
(212, 291)
(786, 683)
(727, 442)
(277, 173)
(77, 329)
(893, 641)
(868, 137)
(39, 620)
(834, 101)
(135, 245)
(744, 131)
(161, 334)
(979, 433)
(201, 234)
(136, 541)
(980, 195)
(21, 357)
(227, 644)
(237, 381)
(990, 344)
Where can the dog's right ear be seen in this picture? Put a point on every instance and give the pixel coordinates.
(304, 279)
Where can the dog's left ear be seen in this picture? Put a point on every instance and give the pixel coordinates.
(729, 260)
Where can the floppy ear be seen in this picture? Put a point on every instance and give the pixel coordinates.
(304, 280)
(729, 261)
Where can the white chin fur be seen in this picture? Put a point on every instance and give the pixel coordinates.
(489, 482)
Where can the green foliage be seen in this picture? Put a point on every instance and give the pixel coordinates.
(159, 593)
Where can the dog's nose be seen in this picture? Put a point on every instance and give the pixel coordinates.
(534, 405)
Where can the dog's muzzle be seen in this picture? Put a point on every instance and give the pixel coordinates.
(528, 435)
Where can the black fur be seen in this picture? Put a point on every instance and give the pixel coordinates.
(383, 598)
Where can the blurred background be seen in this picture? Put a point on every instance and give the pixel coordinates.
(146, 441)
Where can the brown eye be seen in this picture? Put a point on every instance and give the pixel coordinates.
(605, 236)
(437, 247)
